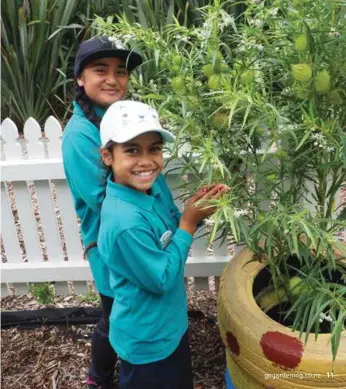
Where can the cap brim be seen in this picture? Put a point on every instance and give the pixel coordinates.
(131, 58)
(125, 137)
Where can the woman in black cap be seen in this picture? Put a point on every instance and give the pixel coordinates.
(102, 69)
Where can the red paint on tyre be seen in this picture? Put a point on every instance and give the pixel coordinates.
(284, 350)
(232, 343)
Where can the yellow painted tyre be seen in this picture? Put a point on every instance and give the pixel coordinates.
(240, 378)
(262, 353)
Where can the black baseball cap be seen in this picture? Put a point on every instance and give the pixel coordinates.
(104, 46)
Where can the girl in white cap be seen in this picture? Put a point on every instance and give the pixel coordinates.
(144, 241)
(101, 71)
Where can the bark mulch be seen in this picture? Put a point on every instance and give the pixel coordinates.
(58, 357)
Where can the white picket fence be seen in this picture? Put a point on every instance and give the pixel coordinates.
(40, 239)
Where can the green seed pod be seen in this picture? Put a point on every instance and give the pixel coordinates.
(162, 64)
(217, 54)
(301, 72)
(214, 81)
(208, 70)
(322, 82)
(296, 286)
(192, 103)
(177, 59)
(178, 84)
(335, 97)
(247, 77)
(220, 119)
(218, 81)
(175, 70)
(271, 177)
(224, 68)
(301, 43)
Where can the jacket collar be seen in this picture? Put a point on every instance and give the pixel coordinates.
(133, 196)
(78, 110)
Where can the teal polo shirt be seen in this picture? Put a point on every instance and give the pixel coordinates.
(145, 251)
(87, 179)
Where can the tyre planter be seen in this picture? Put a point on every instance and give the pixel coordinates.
(229, 384)
(262, 353)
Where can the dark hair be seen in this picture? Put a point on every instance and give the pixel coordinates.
(87, 106)
(109, 147)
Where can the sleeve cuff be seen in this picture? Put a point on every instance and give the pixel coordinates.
(183, 237)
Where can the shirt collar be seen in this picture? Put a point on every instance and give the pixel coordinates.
(133, 196)
(78, 110)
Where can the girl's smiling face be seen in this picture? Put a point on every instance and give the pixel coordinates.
(105, 80)
(136, 163)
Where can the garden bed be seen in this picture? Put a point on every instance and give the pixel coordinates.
(58, 357)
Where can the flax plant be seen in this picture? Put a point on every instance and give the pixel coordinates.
(34, 67)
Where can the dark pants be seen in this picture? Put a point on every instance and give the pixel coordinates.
(103, 356)
(173, 372)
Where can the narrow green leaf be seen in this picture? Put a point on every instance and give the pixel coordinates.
(170, 12)
(215, 227)
(305, 137)
(336, 334)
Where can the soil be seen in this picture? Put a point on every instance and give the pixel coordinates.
(58, 357)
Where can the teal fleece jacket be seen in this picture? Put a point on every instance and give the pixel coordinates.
(86, 177)
(146, 253)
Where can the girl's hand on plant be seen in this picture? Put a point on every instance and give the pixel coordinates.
(222, 189)
(194, 213)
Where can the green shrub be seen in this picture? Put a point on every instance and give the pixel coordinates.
(34, 66)
(90, 297)
(44, 292)
(266, 115)
(39, 42)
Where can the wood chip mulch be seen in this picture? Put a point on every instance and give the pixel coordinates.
(58, 357)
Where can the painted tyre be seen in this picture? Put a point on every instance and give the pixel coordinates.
(262, 353)
(229, 384)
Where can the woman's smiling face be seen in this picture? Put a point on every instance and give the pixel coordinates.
(138, 162)
(105, 80)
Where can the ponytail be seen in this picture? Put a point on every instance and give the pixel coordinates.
(87, 106)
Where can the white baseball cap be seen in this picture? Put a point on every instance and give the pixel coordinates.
(126, 119)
